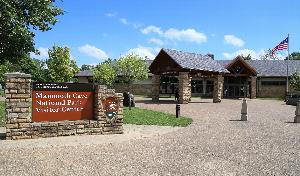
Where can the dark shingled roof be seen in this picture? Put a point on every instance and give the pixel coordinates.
(270, 67)
(85, 73)
(195, 61)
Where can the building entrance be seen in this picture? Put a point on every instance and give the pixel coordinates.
(236, 87)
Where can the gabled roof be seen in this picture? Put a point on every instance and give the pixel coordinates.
(276, 68)
(241, 61)
(193, 61)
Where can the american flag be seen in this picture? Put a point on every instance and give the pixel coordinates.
(281, 46)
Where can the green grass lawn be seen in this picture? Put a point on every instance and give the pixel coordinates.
(136, 116)
(148, 117)
(2, 114)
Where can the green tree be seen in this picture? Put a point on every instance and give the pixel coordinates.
(132, 68)
(294, 56)
(295, 81)
(86, 67)
(18, 20)
(248, 57)
(61, 68)
(105, 73)
(5, 68)
(268, 55)
(36, 68)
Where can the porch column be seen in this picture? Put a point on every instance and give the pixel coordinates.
(184, 86)
(218, 89)
(253, 87)
(155, 87)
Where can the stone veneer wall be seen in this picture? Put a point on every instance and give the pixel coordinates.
(20, 126)
(137, 89)
(253, 87)
(184, 87)
(271, 90)
(218, 89)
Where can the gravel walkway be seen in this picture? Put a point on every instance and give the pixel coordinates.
(215, 144)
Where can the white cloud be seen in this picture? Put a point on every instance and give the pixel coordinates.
(134, 25)
(144, 51)
(244, 52)
(43, 54)
(156, 41)
(152, 29)
(190, 35)
(111, 14)
(93, 51)
(124, 21)
(233, 40)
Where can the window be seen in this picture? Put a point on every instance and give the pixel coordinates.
(209, 87)
(273, 83)
(197, 86)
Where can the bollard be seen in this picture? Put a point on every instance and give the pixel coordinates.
(244, 111)
(177, 110)
(297, 113)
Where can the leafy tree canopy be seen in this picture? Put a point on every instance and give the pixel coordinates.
(132, 68)
(18, 18)
(86, 67)
(295, 81)
(267, 55)
(248, 57)
(294, 56)
(35, 67)
(61, 67)
(105, 73)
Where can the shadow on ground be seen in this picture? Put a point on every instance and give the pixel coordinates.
(170, 102)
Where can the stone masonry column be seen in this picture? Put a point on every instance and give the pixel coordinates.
(184, 87)
(155, 87)
(115, 126)
(253, 87)
(17, 109)
(218, 89)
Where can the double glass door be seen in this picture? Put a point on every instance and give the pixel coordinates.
(235, 87)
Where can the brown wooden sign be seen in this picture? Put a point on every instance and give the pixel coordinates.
(62, 101)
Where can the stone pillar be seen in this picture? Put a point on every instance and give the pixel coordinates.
(184, 87)
(218, 89)
(109, 127)
(253, 87)
(244, 111)
(155, 87)
(17, 109)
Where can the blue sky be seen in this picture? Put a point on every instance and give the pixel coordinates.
(97, 29)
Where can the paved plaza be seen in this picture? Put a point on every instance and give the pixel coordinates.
(216, 143)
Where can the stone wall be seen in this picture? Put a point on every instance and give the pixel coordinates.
(137, 89)
(184, 87)
(113, 127)
(271, 90)
(253, 87)
(20, 126)
(218, 89)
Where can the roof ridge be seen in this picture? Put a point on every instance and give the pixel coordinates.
(184, 51)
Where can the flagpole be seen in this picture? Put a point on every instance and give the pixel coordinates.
(287, 66)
